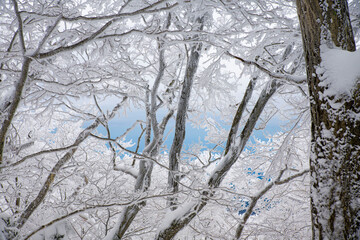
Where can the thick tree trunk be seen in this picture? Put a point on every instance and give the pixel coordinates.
(335, 145)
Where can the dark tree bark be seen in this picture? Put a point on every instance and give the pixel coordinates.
(335, 145)
(174, 155)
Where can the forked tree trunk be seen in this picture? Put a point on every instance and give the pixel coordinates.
(335, 145)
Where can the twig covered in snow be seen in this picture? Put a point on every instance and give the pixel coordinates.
(255, 198)
(283, 76)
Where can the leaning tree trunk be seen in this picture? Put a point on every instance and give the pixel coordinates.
(188, 212)
(183, 105)
(335, 145)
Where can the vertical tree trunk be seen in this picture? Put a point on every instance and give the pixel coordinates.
(143, 179)
(191, 67)
(335, 145)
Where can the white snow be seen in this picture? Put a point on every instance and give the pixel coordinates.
(61, 228)
(179, 213)
(126, 169)
(113, 231)
(340, 69)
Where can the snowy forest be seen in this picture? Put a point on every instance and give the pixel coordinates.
(179, 119)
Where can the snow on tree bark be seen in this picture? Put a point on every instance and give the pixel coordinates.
(335, 145)
(174, 155)
(143, 179)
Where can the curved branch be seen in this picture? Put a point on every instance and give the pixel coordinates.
(51, 177)
(113, 18)
(145, 10)
(76, 212)
(37, 154)
(254, 199)
(78, 44)
(129, 151)
(287, 77)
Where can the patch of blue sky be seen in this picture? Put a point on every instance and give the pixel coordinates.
(119, 126)
(194, 135)
(241, 204)
(264, 204)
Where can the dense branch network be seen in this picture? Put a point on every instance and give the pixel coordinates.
(93, 96)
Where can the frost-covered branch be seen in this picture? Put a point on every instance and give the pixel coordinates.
(189, 211)
(32, 206)
(16, 97)
(20, 27)
(37, 154)
(231, 157)
(154, 90)
(238, 115)
(75, 45)
(46, 36)
(143, 179)
(255, 198)
(126, 169)
(51, 177)
(141, 156)
(145, 10)
(94, 207)
(113, 18)
(14, 104)
(283, 76)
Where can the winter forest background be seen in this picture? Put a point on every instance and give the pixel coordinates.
(99, 98)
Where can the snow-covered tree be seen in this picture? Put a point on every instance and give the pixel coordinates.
(334, 88)
(71, 71)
